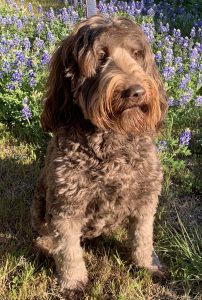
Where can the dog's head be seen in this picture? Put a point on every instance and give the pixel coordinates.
(105, 69)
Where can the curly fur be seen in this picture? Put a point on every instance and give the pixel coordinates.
(101, 165)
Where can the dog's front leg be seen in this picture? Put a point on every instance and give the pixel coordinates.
(67, 254)
(140, 236)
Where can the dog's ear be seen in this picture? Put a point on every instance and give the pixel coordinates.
(152, 70)
(59, 100)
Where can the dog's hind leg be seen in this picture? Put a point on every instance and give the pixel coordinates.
(140, 236)
(68, 254)
(38, 207)
(38, 211)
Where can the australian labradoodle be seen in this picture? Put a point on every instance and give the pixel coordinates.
(104, 104)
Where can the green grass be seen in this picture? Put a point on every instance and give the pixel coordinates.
(24, 275)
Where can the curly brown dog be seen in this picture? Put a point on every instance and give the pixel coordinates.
(105, 102)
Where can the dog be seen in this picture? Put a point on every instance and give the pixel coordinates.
(105, 103)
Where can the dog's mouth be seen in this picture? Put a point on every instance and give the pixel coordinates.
(144, 108)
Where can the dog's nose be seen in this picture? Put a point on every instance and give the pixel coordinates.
(135, 91)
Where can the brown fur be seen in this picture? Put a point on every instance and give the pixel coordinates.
(101, 165)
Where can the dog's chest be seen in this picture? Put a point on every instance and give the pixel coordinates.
(105, 183)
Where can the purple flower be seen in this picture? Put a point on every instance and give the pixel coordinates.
(148, 29)
(40, 27)
(172, 102)
(50, 37)
(185, 137)
(39, 44)
(6, 67)
(16, 40)
(164, 28)
(198, 101)
(26, 44)
(19, 58)
(168, 72)
(17, 76)
(185, 80)
(29, 62)
(10, 87)
(50, 15)
(19, 24)
(193, 65)
(40, 9)
(64, 15)
(30, 8)
(185, 98)
(162, 146)
(158, 56)
(193, 32)
(169, 56)
(26, 113)
(32, 81)
(185, 43)
(45, 58)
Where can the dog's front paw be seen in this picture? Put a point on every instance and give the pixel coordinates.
(156, 268)
(73, 288)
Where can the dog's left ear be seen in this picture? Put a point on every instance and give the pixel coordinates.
(152, 70)
(58, 105)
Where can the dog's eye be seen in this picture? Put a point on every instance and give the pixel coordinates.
(137, 54)
(102, 57)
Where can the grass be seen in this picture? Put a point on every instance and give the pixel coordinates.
(24, 275)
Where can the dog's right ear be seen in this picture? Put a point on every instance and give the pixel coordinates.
(59, 100)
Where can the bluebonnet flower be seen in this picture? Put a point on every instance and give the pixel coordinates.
(192, 65)
(193, 32)
(172, 102)
(19, 58)
(1, 74)
(40, 9)
(8, 20)
(45, 58)
(6, 67)
(19, 24)
(169, 56)
(185, 137)
(26, 113)
(50, 37)
(17, 76)
(30, 8)
(164, 28)
(183, 83)
(26, 43)
(64, 15)
(194, 52)
(168, 72)
(179, 65)
(148, 29)
(29, 62)
(159, 44)
(158, 56)
(198, 101)
(186, 97)
(200, 67)
(151, 12)
(176, 34)
(32, 81)
(50, 15)
(10, 87)
(16, 39)
(162, 146)
(185, 43)
(39, 44)
(40, 27)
